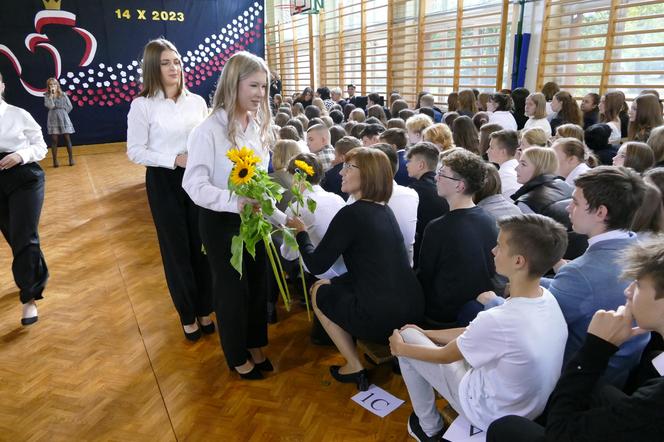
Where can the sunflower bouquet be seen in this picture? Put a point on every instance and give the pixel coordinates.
(250, 182)
(300, 184)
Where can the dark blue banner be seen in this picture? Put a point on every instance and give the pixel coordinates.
(94, 49)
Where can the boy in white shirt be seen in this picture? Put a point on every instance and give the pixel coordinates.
(502, 150)
(506, 361)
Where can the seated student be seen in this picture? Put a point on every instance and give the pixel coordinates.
(327, 206)
(536, 111)
(502, 148)
(380, 291)
(403, 202)
(491, 199)
(500, 106)
(506, 361)
(635, 155)
(645, 114)
(405, 114)
(582, 407)
(465, 134)
(337, 116)
(283, 151)
(357, 115)
(567, 111)
(396, 123)
(428, 102)
(572, 158)
(467, 104)
(590, 109)
(656, 143)
(485, 138)
(541, 190)
(398, 139)
(455, 263)
(371, 134)
(569, 131)
(332, 180)
(415, 125)
(531, 137)
(597, 139)
(603, 205)
(480, 119)
(375, 99)
(440, 135)
(336, 133)
(318, 141)
(422, 161)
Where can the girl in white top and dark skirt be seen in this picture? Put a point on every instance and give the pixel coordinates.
(158, 125)
(21, 201)
(501, 107)
(240, 117)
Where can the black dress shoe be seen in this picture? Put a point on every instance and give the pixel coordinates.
(359, 378)
(193, 336)
(29, 321)
(266, 365)
(208, 329)
(253, 375)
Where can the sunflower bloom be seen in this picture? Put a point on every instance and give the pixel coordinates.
(244, 155)
(304, 167)
(242, 173)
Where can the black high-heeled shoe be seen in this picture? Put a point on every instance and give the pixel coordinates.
(253, 375)
(359, 378)
(266, 365)
(193, 336)
(208, 329)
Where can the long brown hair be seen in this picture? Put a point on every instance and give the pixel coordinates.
(151, 67)
(240, 66)
(467, 101)
(569, 110)
(58, 90)
(465, 134)
(613, 104)
(648, 116)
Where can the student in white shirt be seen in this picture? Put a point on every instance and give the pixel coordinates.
(536, 110)
(317, 222)
(159, 122)
(502, 148)
(571, 154)
(403, 202)
(500, 107)
(241, 117)
(506, 361)
(21, 201)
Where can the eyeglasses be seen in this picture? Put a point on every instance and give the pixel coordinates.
(440, 174)
(347, 166)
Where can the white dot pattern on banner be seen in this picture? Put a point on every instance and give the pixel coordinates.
(119, 84)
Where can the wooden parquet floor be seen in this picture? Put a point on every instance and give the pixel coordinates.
(108, 361)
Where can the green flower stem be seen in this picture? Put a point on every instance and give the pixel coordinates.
(270, 255)
(281, 270)
(304, 289)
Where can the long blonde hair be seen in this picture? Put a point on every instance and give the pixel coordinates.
(240, 66)
(58, 90)
(151, 67)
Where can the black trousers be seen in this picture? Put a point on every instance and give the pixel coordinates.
(515, 429)
(238, 302)
(176, 220)
(21, 201)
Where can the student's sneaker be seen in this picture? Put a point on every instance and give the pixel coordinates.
(418, 433)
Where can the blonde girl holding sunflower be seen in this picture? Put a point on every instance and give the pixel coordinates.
(158, 125)
(241, 118)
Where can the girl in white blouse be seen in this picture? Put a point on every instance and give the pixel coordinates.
(536, 110)
(21, 201)
(500, 107)
(158, 125)
(241, 117)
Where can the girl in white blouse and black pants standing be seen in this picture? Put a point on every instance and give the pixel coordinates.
(241, 117)
(21, 201)
(158, 125)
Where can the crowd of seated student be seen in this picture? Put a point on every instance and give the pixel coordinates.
(568, 197)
